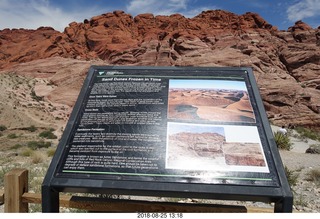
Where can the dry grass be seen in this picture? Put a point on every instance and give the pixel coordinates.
(26, 152)
(314, 176)
(291, 176)
(51, 151)
(38, 157)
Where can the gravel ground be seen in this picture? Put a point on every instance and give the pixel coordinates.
(306, 192)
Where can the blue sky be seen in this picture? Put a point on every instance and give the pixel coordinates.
(58, 14)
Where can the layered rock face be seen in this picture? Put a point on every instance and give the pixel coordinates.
(286, 64)
(213, 146)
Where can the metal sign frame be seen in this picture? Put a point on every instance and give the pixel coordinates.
(225, 177)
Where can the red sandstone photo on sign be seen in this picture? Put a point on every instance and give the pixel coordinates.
(214, 148)
(210, 100)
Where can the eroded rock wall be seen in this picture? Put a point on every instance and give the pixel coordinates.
(286, 63)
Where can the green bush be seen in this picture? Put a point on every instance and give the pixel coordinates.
(48, 134)
(31, 128)
(16, 146)
(38, 144)
(308, 133)
(12, 136)
(2, 128)
(282, 141)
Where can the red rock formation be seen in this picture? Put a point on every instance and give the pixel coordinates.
(244, 160)
(243, 154)
(286, 63)
(19, 45)
(203, 144)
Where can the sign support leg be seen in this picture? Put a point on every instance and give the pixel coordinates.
(284, 205)
(50, 200)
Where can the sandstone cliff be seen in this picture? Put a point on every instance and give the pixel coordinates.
(286, 63)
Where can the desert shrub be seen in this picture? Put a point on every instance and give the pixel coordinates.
(31, 128)
(291, 176)
(313, 149)
(26, 152)
(48, 134)
(51, 152)
(16, 146)
(314, 176)
(282, 141)
(299, 199)
(35, 97)
(37, 157)
(2, 128)
(308, 133)
(12, 136)
(38, 144)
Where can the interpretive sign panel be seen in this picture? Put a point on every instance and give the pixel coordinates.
(199, 126)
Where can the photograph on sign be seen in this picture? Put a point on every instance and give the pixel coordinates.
(209, 100)
(214, 148)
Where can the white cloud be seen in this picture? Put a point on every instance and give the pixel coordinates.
(31, 14)
(196, 11)
(156, 7)
(303, 9)
(167, 7)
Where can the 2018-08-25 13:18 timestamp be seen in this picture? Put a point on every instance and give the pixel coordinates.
(159, 215)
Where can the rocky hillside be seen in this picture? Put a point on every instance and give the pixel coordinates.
(286, 63)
